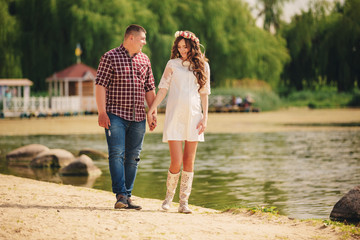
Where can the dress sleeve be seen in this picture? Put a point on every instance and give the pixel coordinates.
(166, 77)
(206, 88)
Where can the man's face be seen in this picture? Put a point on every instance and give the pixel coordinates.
(139, 40)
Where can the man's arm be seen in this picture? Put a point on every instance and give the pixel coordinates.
(149, 97)
(100, 94)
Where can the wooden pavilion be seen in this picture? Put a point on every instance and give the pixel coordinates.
(76, 83)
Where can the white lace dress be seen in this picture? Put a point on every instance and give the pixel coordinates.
(183, 107)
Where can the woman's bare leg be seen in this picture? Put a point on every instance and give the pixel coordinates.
(176, 155)
(189, 156)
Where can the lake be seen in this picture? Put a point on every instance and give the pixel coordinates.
(302, 173)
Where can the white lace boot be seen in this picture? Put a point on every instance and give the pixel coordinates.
(171, 184)
(185, 190)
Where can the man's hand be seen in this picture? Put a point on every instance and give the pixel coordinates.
(104, 120)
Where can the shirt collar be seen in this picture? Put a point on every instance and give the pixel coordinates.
(124, 50)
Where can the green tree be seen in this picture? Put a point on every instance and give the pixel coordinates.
(47, 32)
(300, 37)
(237, 48)
(10, 58)
(340, 48)
(50, 31)
(271, 10)
(323, 44)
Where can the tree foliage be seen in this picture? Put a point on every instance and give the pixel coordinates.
(319, 46)
(40, 36)
(10, 61)
(271, 11)
(324, 47)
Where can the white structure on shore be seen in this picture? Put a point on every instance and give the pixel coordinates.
(71, 90)
(14, 96)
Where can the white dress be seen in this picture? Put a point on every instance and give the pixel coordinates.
(183, 107)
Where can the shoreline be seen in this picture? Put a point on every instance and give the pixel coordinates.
(33, 209)
(296, 119)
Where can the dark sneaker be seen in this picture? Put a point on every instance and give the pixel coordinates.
(132, 206)
(121, 201)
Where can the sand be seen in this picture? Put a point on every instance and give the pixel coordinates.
(278, 121)
(31, 209)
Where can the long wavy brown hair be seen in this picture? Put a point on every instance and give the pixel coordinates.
(196, 58)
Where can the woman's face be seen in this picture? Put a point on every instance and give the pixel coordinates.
(183, 49)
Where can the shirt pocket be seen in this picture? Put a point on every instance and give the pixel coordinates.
(140, 70)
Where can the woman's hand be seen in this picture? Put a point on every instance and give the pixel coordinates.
(152, 119)
(201, 125)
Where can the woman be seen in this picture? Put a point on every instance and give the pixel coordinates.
(187, 77)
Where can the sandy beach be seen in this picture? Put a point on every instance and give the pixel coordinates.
(30, 209)
(277, 121)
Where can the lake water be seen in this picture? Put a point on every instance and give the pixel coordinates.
(303, 174)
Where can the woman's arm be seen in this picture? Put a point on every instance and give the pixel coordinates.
(158, 99)
(205, 106)
(163, 88)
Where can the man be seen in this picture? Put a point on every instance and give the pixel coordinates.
(124, 81)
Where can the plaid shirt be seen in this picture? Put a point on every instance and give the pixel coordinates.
(126, 80)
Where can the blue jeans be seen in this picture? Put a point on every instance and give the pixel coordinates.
(124, 139)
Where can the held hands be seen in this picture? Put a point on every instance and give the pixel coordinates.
(152, 119)
(201, 125)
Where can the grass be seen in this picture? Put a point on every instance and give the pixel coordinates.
(267, 99)
(324, 98)
(350, 231)
(236, 209)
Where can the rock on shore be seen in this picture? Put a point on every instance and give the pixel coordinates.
(348, 207)
(55, 158)
(82, 166)
(22, 156)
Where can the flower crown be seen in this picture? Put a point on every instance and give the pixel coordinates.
(188, 35)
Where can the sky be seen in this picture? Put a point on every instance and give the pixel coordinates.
(290, 9)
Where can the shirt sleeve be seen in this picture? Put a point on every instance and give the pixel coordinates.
(104, 72)
(150, 81)
(166, 77)
(206, 88)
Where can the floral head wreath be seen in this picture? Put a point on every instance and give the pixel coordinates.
(188, 35)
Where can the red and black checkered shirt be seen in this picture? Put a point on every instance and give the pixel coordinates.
(126, 80)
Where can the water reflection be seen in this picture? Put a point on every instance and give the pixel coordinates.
(51, 175)
(302, 173)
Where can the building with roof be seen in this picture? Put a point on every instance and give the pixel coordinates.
(14, 96)
(75, 83)
(15, 87)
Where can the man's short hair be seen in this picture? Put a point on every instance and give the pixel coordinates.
(134, 28)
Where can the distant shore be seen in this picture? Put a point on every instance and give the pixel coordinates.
(31, 209)
(296, 119)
